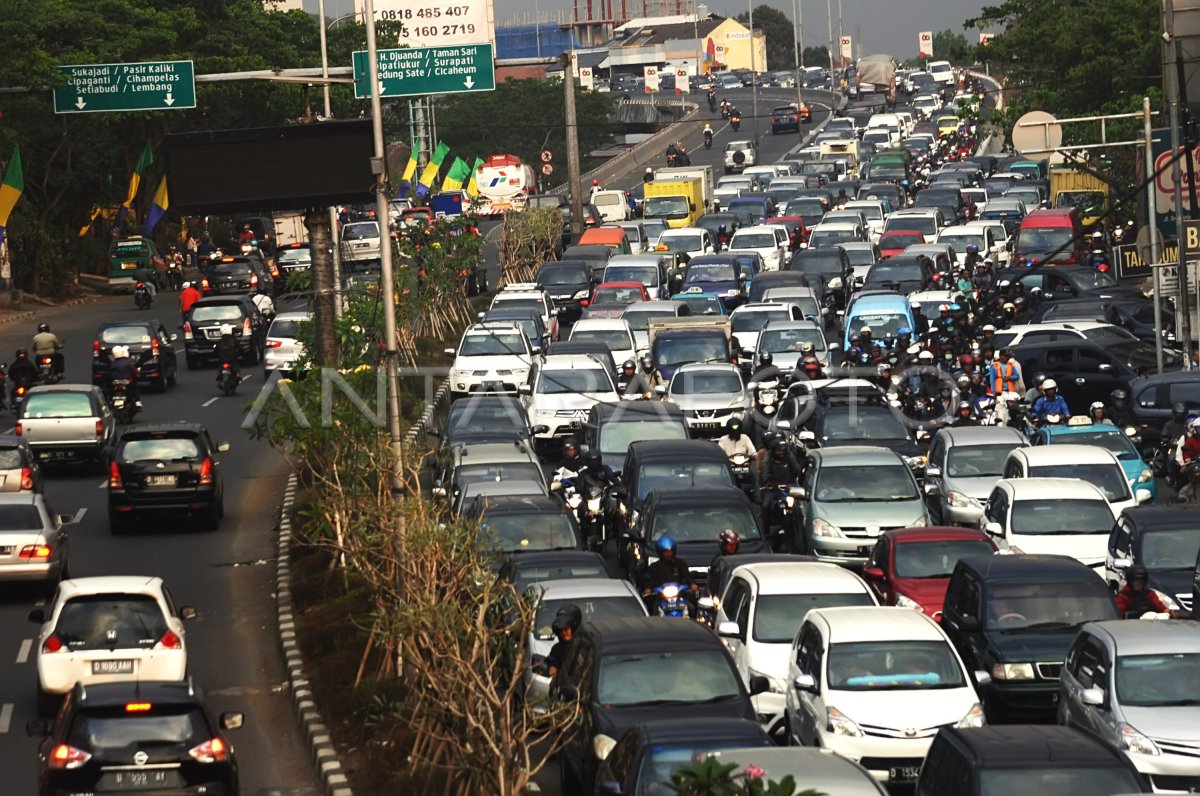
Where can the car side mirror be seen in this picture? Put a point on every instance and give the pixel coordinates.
(222, 447)
(1122, 563)
(660, 389)
(38, 616)
(603, 745)
(759, 684)
(993, 529)
(982, 678)
(37, 728)
(526, 389)
(874, 573)
(783, 425)
(806, 436)
(1104, 367)
(805, 682)
(67, 519)
(1092, 696)
(480, 315)
(933, 472)
(448, 352)
(232, 720)
(438, 491)
(729, 630)
(187, 612)
(969, 624)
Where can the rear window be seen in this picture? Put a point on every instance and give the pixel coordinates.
(115, 729)
(134, 620)
(228, 269)
(20, 518)
(360, 231)
(217, 312)
(125, 335)
(58, 404)
(283, 327)
(167, 449)
(11, 458)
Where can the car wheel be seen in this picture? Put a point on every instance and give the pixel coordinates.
(161, 384)
(173, 375)
(47, 703)
(211, 519)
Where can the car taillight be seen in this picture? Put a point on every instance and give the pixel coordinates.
(95, 348)
(274, 343)
(63, 756)
(35, 551)
(17, 429)
(99, 428)
(206, 473)
(26, 478)
(253, 280)
(204, 284)
(213, 751)
(170, 641)
(187, 328)
(153, 346)
(246, 327)
(114, 477)
(274, 270)
(53, 644)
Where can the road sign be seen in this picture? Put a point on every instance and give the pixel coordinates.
(847, 48)
(682, 84)
(151, 86)
(412, 71)
(1036, 132)
(439, 23)
(547, 156)
(547, 169)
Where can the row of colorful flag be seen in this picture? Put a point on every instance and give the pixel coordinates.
(460, 172)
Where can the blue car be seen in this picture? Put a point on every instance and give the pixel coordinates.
(716, 273)
(702, 303)
(885, 312)
(1107, 436)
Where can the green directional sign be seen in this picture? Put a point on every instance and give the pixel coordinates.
(412, 71)
(151, 86)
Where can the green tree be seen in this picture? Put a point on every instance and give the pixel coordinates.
(816, 56)
(779, 32)
(952, 47)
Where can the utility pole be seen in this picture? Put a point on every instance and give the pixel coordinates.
(1182, 313)
(1152, 219)
(753, 71)
(829, 19)
(797, 38)
(333, 228)
(573, 174)
(317, 222)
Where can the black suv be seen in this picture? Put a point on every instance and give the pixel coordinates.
(149, 344)
(150, 736)
(1087, 371)
(245, 274)
(203, 329)
(166, 469)
(785, 118)
(830, 267)
(568, 282)
(1165, 540)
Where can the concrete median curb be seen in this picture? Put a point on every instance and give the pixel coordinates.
(26, 315)
(324, 755)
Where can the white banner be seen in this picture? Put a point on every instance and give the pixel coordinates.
(681, 80)
(439, 23)
(847, 48)
(585, 77)
(984, 38)
(651, 75)
(925, 43)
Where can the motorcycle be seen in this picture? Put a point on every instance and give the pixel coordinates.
(589, 510)
(708, 138)
(742, 476)
(46, 372)
(228, 379)
(712, 103)
(785, 511)
(20, 391)
(142, 297)
(725, 111)
(123, 407)
(735, 121)
(669, 600)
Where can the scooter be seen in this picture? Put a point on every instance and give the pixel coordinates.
(124, 408)
(228, 379)
(708, 136)
(735, 121)
(142, 297)
(669, 600)
(712, 103)
(46, 372)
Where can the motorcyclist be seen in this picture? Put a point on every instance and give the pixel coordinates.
(571, 463)
(1096, 414)
(266, 306)
(1050, 402)
(766, 370)
(626, 376)
(22, 372)
(123, 368)
(597, 475)
(646, 380)
(735, 442)
(227, 351)
(810, 366)
(566, 622)
(47, 343)
(187, 299)
(1118, 409)
(648, 174)
(669, 568)
(1135, 599)
(965, 415)
(730, 543)
(1187, 452)
(1174, 429)
(672, 153)
(708, 134)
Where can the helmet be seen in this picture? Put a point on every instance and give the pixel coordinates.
(865, 330)
(1194, 424)
(766, 359)
(1009, 397)
(43, 327)
(647, 363)
(186, 285)
(1119, 396)
(729, 537)
(1179, 412)
(1049, 384)
(1039, 379)
(1096, 405)
(120, 352)
(904, 331)
(628, 364)
(567, 617)
(595, 182)
(664, 544)
(22, 353)
(855, 337)
(733, 425)
(226, 329)
(649, 170)
(972, 248)
(884, 367)
(943, 308)
(778, 443)
(1009, 307)
(807, 349)
(966, 359)
(569, 444)
(925, 356)
(593, 460)
(1135, 572)
(964, 405)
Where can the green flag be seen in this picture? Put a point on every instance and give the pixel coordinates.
(458, 174)
(472, 187)
(440, 153)
(135, 180)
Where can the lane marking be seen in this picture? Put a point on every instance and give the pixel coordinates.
(79, 515)
(6, 717)
(103, 484)
(26, 648)
(38, 603)
(209, 402)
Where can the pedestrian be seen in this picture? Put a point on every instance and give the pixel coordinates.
(193, 251)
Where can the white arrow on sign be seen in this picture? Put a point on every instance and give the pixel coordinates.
(469, 82)
(79, 103)
(169, 100)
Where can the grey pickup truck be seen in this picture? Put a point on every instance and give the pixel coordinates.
(67, 421)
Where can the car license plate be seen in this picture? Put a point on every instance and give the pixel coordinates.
(141, 779)
(112, 667)
(6, 550)
(903, 774)
(160, 480)
(54, 456)
(865, 550)
(128, 266)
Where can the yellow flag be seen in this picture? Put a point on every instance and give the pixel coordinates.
(409, 169)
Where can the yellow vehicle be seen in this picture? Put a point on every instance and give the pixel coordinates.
(1087, 193)
(678, 202)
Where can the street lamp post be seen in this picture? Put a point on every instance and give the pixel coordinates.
(797, 42)
(333, 227)
(753, 73)
(829, 19)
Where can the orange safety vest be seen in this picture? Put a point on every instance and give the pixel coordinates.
(1005, 380)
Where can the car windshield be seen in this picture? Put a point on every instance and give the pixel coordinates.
(96, 621)
(506, 471)
(666, 206)
(562, 382)
(573, 275)
(534, 304)
(754, 320)
(779, 341)
(639, 319)
(163, 449)
(294, 257)
(960, 242)
(593, 609)
(11, 458)
(58, 404)
(706, 382)
(617, 295)
(680, 243)
(474, 417)
(531, 574)
(1059, 517)
(752, 240)
(616, 437)
(1148, 681)
(886, 272)
(1088, 203)
(926, 225)
(646, 274)
(702, 305)
(216, 312)
(893, 666)
(878, 483)
(116, 730)
(1107, 334)
(660, 762)
(1174, 549)
(284, 327)
(360, 231)
(20, 518)
(928, 560)
(1113, 440)
(977, 461)
(528, 323)
(710, 272)
(860, 257)
(859, 423)
(125, 335)
(1049, 605)
(692, 348)
(487, 345)
(1059, 780)
(703, 523)
(518, 533)
(674, 476)
(1042, 243)
(663, 678)
(228, 269)
(615, 339)
(818, 264)
(777, 617)
(1108, 478)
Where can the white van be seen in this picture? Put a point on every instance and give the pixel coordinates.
(941, 71)
(890, 122)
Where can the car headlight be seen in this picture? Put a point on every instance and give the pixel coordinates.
(731, 292)
(1013, 671)
(919, 522)
(822, 528)
(838, 724)
(1134, 741)
(908, 602)
(974, 717)
(916, 462)
(958, 500)
(1146, 476)
(582, 294)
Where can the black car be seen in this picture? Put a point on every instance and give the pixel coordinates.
(665, 464)
(904, 273)
(529, 569)
(596, 255)
(1024, 759)
(245, 274)
(1151, 398)
(948, 200)
(610, 428)
(713, 222)
(1086, 371)
(144, 737)
(694, 518)
(831, 267)
(568, 282)
(20, 469)
(1066, 282)
(863, 422)
(625, 672)
(475, 419)
(149, 344)
(784, 119)
(168, 470)
(202, 329)
(644, 758)
(513, 524)
(1013, 618)
(1134, 314)
(1163, 539)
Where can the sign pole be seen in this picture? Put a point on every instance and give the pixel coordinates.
(1182, 313)
(1152, 219)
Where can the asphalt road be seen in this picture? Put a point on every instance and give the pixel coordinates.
(227, 575)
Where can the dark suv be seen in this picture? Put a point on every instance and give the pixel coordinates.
(150, 736)
(166, 469)
(202, 329)
(149, 344)
(245, 274)
(785, 118)
(1086, 371)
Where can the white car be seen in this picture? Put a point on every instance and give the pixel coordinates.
(834, 229)
(709, 394)
(875, 685)
(693, 241)
(561, 390)
(749, 319)
(105, 630)
(613, 332)
(872, 212)
(1101, 334)
(283, 348)
(941, 71)
(360, 242)
(770, 241)
(961, 236)
(761, 610)
(491, 357)
(1096, 465)
(785, 340)
(930, 300)
(1053, 516)
(739, 155)
(528, 295)
(1000, 255)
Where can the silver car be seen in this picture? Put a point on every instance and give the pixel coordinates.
(361, 242)
(964, 464)
(708, 394)
(1135, 685)
(33, 540)
(282, 348)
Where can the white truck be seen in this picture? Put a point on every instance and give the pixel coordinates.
(704, 173)
(289, 228)
(505, 184)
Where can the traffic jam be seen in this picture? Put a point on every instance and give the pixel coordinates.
(861, 464)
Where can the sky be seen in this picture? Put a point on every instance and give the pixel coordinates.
(882, 25)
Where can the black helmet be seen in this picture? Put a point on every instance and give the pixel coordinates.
(569, 616)
(1038, 378)
(1179, 412)
(733, 425)
(43, 327)
(647, 362)
(1119, 396)
(1136, 571)
(766, 359)
(593, 460)
(569, 444)
(777, 444)
(628, 364)
(22, 353)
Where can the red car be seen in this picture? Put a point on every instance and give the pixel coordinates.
(610, 299)
(911, 567)
(895, 241)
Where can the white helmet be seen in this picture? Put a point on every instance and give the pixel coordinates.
(226, 329)
(1049, 384)
(120, 352)
(186, 285)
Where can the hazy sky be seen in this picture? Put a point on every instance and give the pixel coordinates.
(880, 26)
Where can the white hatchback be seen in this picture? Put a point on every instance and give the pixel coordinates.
(770, 241)
(105, 630)
(283, 348)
